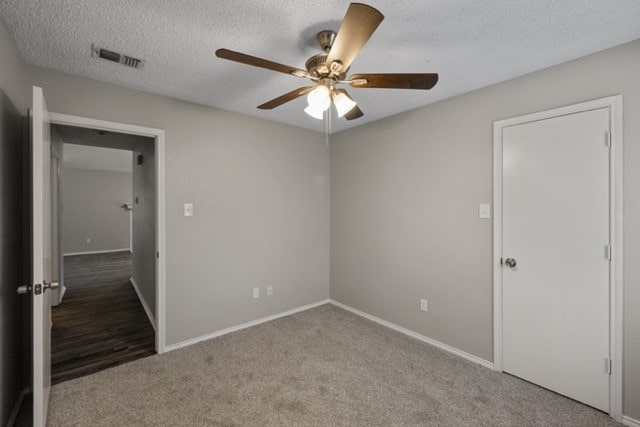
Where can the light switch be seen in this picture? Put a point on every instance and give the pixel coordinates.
(188, 209)
(484, 210)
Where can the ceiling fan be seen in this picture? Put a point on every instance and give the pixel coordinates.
(329, 69)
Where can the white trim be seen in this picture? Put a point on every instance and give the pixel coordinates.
(89, 123)
(431, 341)
(628, 421)
(160, 245)
(143, 302)
(614, 103)
(16, 408)
(106, 251)
(159, 137)
(497, 247)
(244, 326)
(616, 275)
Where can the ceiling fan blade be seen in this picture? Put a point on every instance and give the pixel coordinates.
(394, 81)
(358, 25)
(259, 62)
(276, 102)
(355, 112)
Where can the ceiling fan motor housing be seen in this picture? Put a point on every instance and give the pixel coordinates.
(317, 67)
(317, 64)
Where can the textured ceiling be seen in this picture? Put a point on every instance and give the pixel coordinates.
(470, 43)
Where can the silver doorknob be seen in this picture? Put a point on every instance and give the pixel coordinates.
(510, 262)
(52, 285)
(24, 289)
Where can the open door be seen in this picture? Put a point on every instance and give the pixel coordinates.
(42, 262)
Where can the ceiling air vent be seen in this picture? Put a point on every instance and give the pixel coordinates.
(109, 55)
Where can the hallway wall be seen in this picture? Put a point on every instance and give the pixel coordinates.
(144, 223)
(93, 210)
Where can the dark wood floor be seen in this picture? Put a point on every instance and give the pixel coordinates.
(96, 268)
(101, 322)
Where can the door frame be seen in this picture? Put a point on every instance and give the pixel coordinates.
(614, 103)
(56, 202)
(158, 136)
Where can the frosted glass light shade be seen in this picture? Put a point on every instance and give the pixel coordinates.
(343, 103)
(314, 112)
(319, 98)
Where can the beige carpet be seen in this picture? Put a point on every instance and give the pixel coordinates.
(324, 366)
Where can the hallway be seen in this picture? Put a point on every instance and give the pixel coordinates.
(100, 322)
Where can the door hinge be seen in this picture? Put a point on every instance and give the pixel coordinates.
(608, 142)
(608, 365)
(608, 252)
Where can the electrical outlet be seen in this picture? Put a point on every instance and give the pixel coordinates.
(188, 209)
(423, 304)
(88, 240)
(269, 290)
(256, 292)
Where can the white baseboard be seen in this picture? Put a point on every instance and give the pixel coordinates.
(243, 326)
(16, 408)
(143, 302)
(97, 252)
(416, 335)
(631, 422)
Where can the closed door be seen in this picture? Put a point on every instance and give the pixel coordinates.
(555, 242)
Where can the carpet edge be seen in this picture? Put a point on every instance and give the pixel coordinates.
(241, 326)
(442, 346)
(631, 422)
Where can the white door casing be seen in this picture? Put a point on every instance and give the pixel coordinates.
(160, 236)
(557, 195)
(42, 261)
(56, 226)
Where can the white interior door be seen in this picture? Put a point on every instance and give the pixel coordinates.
(556, 230)
(42, 257)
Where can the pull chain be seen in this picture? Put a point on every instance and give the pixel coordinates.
(327, 127)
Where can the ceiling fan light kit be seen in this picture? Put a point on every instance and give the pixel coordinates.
(343, 103)
(329, 69)
(319, 98)
(316, 113)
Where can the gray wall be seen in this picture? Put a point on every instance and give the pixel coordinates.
(144, 222)
(404, 205)
(12, 224)
(261, 199)
(92, 208)
(12, 78)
